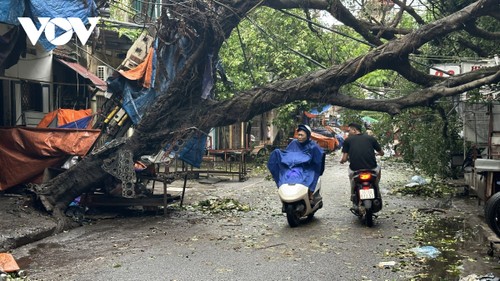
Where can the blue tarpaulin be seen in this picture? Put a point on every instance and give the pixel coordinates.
(10, 10)
(192, 153)
(82, 123)
(137, 99)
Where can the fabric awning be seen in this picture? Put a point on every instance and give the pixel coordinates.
(80, 69)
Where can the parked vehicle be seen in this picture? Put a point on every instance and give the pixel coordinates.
(492, 213)
(366, 196)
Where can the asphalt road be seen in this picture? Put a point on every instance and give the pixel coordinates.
(193, 244)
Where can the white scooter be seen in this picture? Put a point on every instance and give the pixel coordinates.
(296, 203)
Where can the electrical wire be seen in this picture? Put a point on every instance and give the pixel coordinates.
(327, 28)
(448, 58)
(245, 55)
(273, 37)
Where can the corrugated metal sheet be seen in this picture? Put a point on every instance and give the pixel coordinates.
(80, 69)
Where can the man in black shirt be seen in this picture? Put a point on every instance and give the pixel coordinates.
(360, 149)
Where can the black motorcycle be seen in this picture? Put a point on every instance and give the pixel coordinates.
(367, 196)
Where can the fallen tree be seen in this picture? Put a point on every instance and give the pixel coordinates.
(195, 31)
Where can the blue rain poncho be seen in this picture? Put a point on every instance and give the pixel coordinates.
(299, 163)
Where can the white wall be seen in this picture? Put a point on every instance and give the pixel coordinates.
(36, 67)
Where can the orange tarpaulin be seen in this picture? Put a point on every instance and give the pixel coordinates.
(63, 116)
(143, 71)
(26, 152)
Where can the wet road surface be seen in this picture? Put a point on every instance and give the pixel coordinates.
(224, 244)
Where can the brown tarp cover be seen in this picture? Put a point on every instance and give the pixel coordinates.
(26, 152)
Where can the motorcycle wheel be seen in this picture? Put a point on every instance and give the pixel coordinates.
(292, 215)
(368, 217)
(492, 213)
(311, 215)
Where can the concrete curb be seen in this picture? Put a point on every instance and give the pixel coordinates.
(21, 224)
(476, 220)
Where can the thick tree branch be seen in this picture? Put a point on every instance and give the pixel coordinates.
(410, 73)
(475, 48)
(410, 11)
(475, 31)
(262, 100)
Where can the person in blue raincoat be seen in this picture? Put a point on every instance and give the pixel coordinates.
(303, 161)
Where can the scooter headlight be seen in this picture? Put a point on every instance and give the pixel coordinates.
(291, 189)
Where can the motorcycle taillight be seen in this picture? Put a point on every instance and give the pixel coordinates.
(365, 176)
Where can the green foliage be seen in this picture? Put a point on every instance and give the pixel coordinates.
(375, 78)
(432, 190)
(286, 117)
(118, 11)
(259, 51)
(427, 141)
(222, 205)
(131, 34)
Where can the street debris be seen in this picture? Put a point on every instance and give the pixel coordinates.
(9, 269)
(7, 263)
(430, 252)
(386, 264)
(219, 205)
(417, 180)
(475, 277)
(434, 189)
